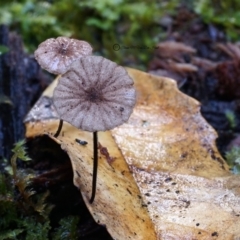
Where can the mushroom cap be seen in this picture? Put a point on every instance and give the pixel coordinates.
(56, 55)
(95, 94)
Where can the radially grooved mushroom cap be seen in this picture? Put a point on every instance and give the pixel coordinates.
(95, 94)
(56, 55)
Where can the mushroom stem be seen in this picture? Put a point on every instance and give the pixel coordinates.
(59, 128)
(95, 165)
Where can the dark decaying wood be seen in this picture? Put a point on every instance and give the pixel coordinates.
(21, 84)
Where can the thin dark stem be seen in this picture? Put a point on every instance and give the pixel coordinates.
(95, 165)
(59, 128)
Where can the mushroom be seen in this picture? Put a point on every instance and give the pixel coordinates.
(56, 55)
(95, 94)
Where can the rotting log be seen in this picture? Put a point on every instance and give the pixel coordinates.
(21, 83)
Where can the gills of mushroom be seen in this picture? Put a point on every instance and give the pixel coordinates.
(95, 94)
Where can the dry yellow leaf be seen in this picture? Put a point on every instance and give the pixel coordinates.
(160, 176)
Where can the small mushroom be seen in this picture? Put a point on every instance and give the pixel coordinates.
(95, 94)
(56, 55)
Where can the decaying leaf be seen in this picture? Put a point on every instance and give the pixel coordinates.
(166, 180)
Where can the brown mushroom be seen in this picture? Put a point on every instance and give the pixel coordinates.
(56, 55)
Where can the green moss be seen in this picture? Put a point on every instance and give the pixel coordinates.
(19, 212)
(24, 213)
(102, 23)
(233, 159)
(231, 117)
(67, 229)
(8, 208)
(221, 12)
(36, 230)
